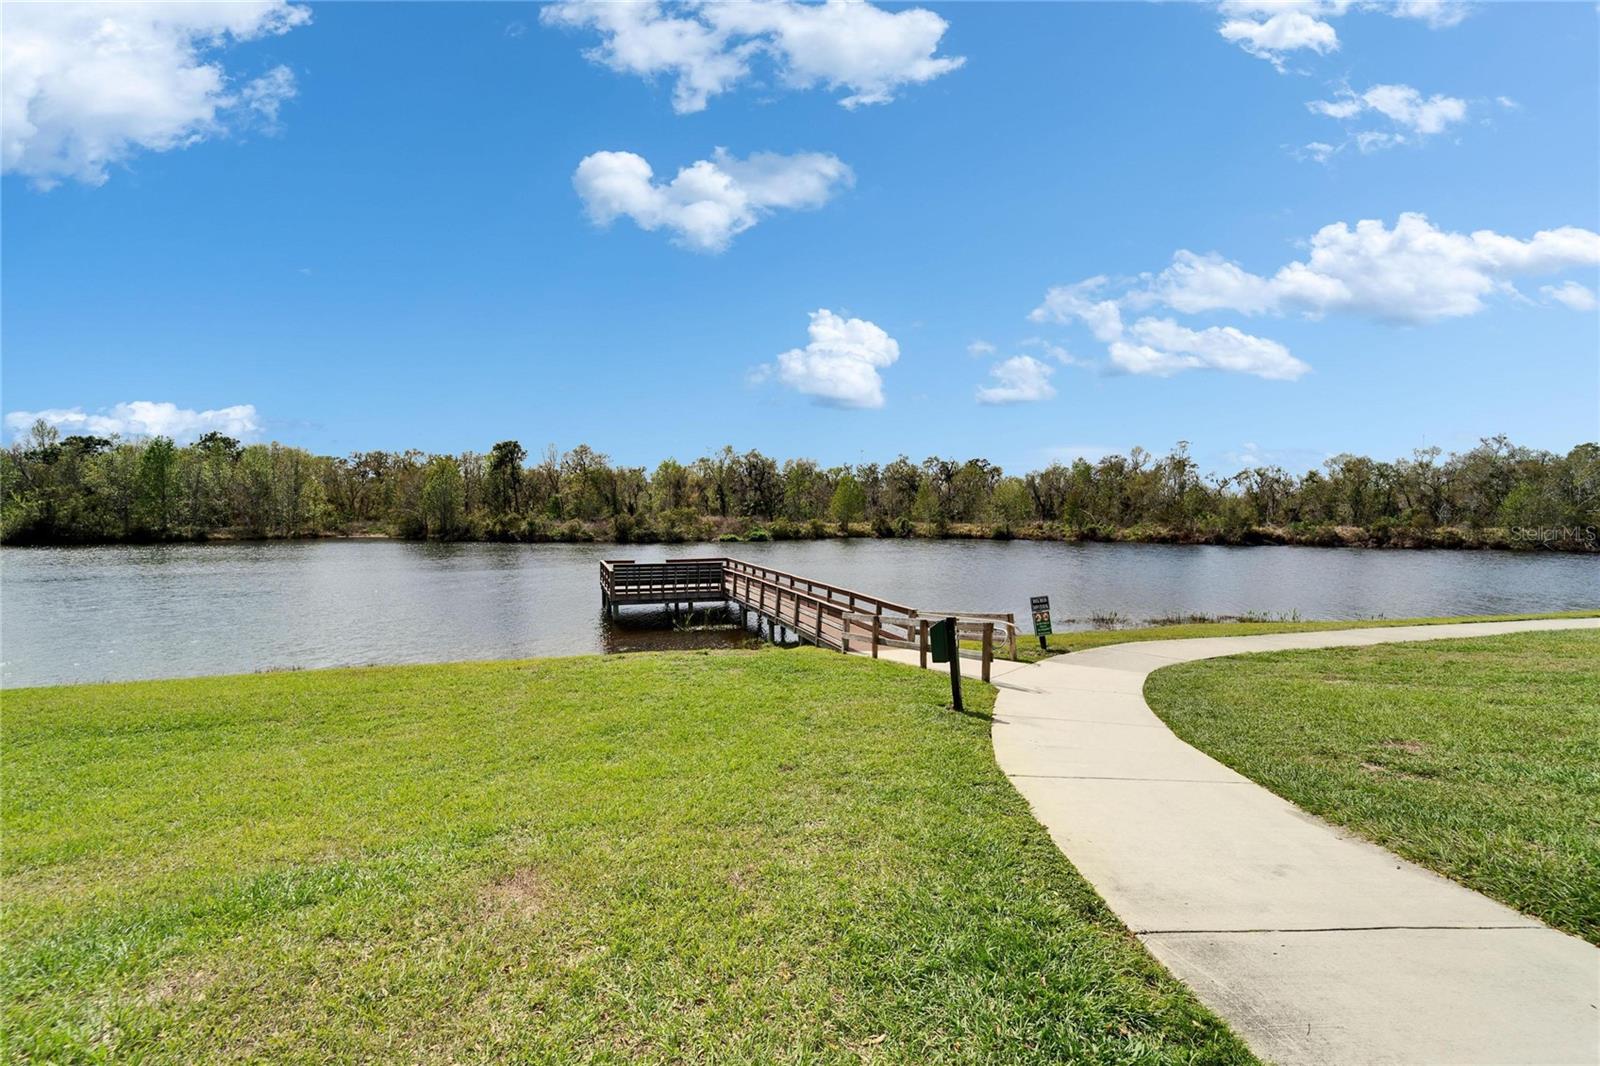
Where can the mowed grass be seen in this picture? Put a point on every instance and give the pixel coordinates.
(767, 856)
(1478, 758)
(1028, 649)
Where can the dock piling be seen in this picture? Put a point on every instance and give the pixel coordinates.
(814, 612)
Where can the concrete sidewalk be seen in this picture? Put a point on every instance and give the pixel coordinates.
(1316, 946)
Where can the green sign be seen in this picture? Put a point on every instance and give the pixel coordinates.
(942, 638)
(1041, 615)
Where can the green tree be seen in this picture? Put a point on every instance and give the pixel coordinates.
(970, 487)
(158, 483)
(760, 486)
(926, 507)
(849, 503)
(87, 488)
(1011, 503)
(314, 512)
(225, 446)
(587, 490)
(503, 482)
(116, 481)
(1049, 489)
(252, 490)
(443, 494)
(801, 482)
(27, 489)
(671, 486)
(718, 473)
(901, 480)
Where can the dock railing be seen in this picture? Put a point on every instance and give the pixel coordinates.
(814, 610)
(910, 631)
(623, 581)
(821, 613)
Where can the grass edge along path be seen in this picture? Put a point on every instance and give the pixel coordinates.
(1477, 757)
(1068, 641)
(765, 856)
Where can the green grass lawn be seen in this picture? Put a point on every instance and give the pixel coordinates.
(1478, 758)
(1028, 649)
(768, 856)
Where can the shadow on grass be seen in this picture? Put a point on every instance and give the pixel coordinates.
(982, 716)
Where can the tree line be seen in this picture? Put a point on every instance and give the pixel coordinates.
(88, 489)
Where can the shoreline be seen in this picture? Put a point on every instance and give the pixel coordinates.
(1077, 636)
(1576, 541)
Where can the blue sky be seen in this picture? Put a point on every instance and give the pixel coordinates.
(373, 230)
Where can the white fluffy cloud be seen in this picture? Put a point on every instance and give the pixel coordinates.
(1413, 118)
(1318, 151)
(1402, 105)
(863, 51)
(1369, 141)
(1407, 107)
(266, 94)
(1570, 294)
(840, 366)
(1054, 351)
(1272, 32)
(1440, 14)
(1020, 379)
(87, 85)
(1160, 346)
(142, 418)
(709, 202)
(1273, 29)
(1085, 302)
(1413, 272)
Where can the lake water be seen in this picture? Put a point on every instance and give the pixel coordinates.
(112, 613)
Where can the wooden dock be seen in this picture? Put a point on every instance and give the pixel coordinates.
(816, 612)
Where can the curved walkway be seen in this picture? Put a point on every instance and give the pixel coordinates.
(1316, 946)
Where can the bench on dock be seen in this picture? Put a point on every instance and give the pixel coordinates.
(827, 615)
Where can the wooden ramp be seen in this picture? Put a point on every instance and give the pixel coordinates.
(817, 612)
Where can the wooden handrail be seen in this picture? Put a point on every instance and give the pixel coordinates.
(789, 605)
(817, 611)
(812, 584)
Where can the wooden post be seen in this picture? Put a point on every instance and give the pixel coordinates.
(1011, 636)
(875, 625)
(988, 647)
(922, 644)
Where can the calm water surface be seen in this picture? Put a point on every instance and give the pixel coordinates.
(112, 613)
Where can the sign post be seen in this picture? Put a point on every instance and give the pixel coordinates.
(1041, 619)
(946, 649)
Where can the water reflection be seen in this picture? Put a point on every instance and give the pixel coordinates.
(658, 629)
(81, 614)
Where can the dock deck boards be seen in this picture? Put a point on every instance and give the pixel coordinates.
(818, 612)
